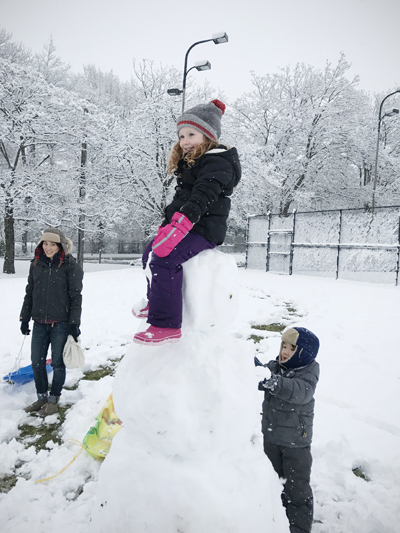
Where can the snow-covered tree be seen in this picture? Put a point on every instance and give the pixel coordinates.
(89, 152)
(12, 51)
(147, 135)
(52, 68)
(40, 141)
(21, 97)
(297, 129)
(388, 174)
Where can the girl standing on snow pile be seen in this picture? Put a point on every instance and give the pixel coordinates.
(195, 220)
(53, 299)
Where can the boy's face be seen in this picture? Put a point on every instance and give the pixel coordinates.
(287, 351)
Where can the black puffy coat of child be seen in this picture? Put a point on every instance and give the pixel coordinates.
(207, 172)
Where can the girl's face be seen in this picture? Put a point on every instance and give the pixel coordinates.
(50, 248)
(190, 138)
(287, 351)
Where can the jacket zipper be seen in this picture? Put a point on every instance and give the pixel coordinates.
(47, 292)
(303, 427)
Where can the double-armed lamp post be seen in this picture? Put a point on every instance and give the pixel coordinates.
(390, 113)
(217, 38)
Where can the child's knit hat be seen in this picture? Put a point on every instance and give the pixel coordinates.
(307, 346)
(205, 118)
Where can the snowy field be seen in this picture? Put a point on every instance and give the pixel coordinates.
(189, 457)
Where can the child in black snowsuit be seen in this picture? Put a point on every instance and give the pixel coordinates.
(287, 423)
(196, 219)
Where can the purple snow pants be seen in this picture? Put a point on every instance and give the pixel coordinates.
(164, 290)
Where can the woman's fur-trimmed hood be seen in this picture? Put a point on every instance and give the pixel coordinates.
(57, 236)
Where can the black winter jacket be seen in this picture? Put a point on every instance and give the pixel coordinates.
(203, 191)
(53, 292)
(288, 412)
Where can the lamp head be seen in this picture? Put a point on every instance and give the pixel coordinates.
(203, 65)
(174, 92)
(220, 37)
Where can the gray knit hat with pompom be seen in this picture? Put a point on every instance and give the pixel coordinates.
(205, 118)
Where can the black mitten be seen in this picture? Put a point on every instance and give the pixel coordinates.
(269, 384)
(25, 328)
(74, 331)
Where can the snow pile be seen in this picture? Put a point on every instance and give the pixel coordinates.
(356, 423)
(189, 457)
(210, 291)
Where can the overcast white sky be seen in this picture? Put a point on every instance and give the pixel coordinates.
(263, 35)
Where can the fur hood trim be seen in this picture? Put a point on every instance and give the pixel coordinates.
(57, 236)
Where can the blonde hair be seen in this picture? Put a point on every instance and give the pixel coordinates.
(177, 154)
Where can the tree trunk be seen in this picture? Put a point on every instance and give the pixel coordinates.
(81, 239)
(25, 240)
(82, 196)
(8, 267)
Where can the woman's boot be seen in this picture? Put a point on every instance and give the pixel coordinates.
(51, 407)
(36, 406)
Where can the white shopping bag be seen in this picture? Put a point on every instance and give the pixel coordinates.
(73, 355)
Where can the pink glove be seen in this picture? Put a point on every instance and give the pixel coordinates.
(171, 235)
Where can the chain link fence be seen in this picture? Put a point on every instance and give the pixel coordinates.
(348, 243)
(120, 252)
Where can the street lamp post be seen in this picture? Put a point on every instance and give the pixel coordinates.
(217, 38)
(380, 118)
(199, 65)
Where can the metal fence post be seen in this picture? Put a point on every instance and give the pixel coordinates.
(247, 239)
(338, 248)
(292, 244)
(268, 242)
(398, 254)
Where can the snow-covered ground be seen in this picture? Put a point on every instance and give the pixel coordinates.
(211, 376)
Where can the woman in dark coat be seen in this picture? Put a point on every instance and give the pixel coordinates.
(53, 299)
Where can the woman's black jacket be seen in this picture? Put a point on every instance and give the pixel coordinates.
(54, 291)
(203, 191)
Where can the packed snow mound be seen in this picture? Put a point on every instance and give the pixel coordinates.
(179, 463)
(210, 291)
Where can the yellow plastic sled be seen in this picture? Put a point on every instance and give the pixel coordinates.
(98, 439)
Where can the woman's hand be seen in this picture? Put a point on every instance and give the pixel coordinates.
(25, 328)
(74, 331)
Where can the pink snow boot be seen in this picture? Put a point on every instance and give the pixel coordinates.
(154, 336)
(141, 309)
